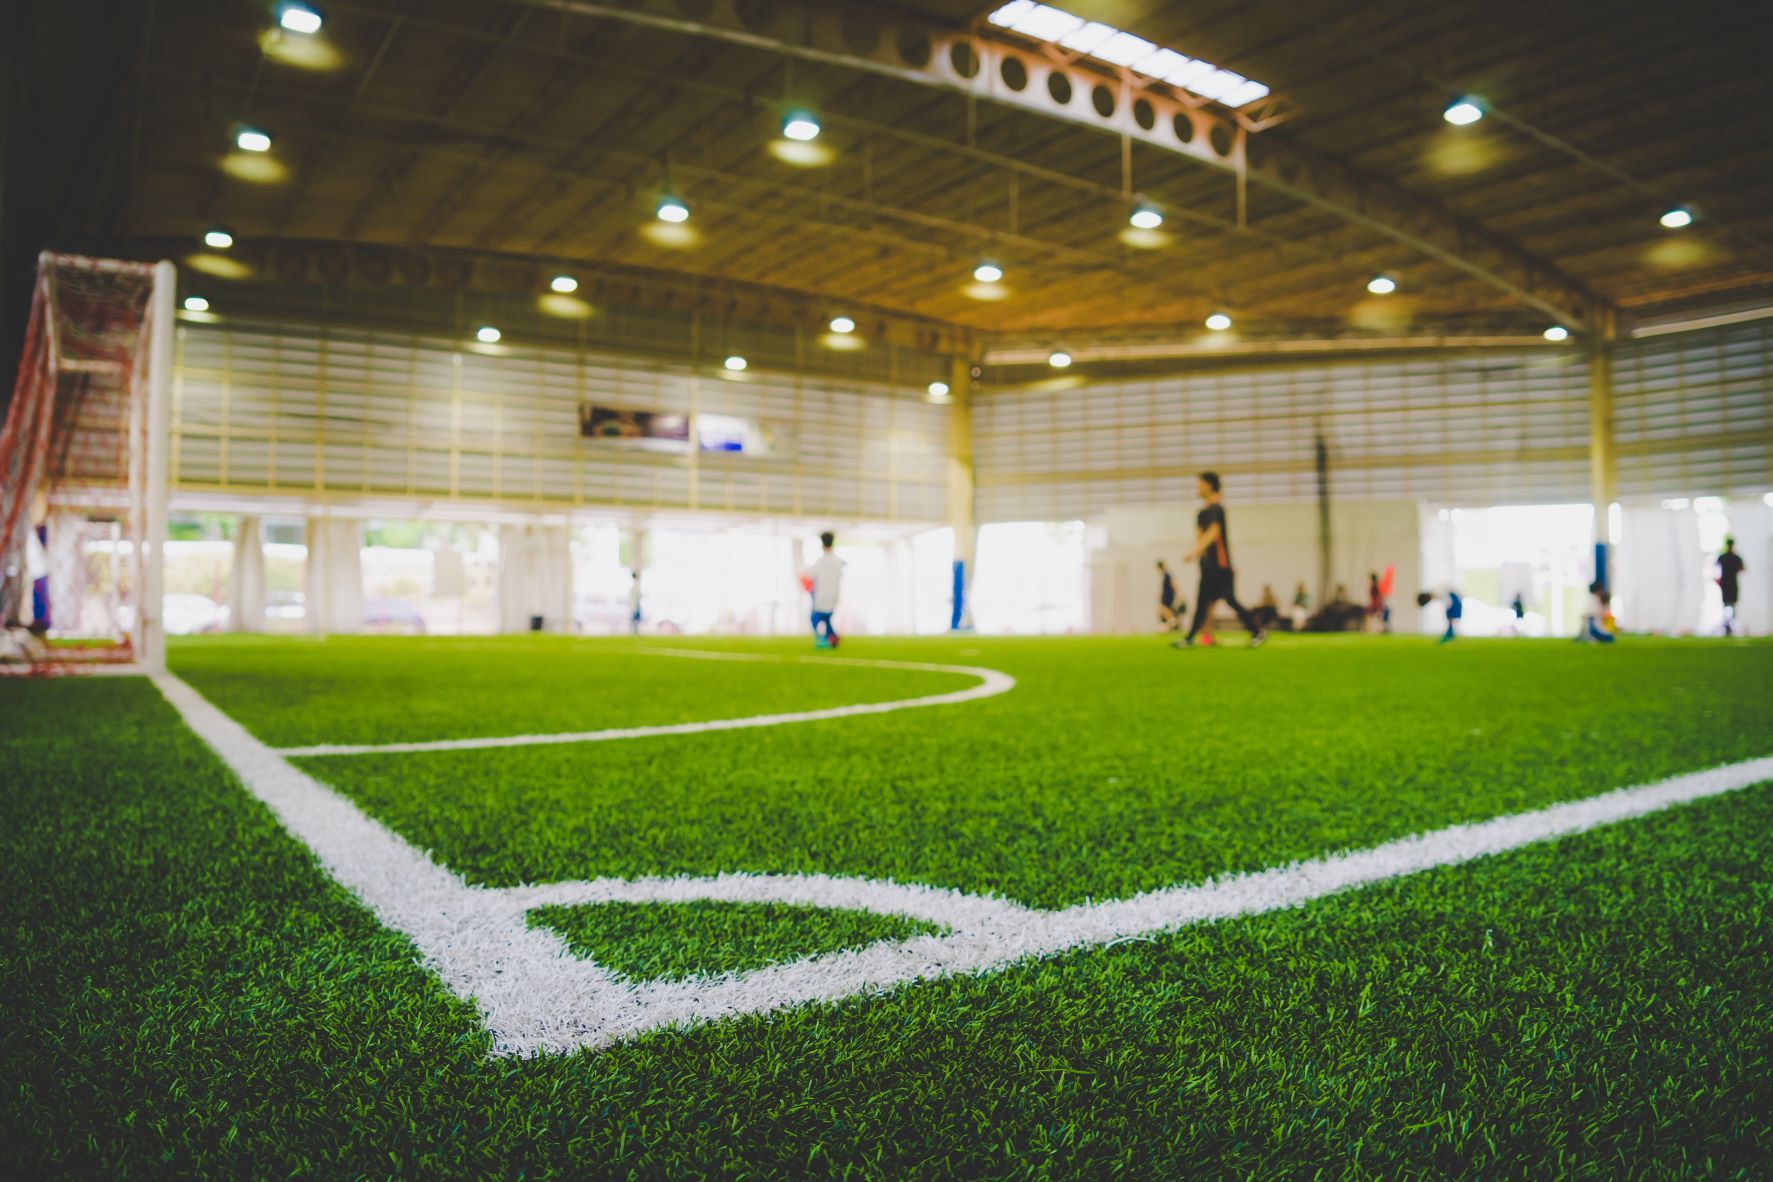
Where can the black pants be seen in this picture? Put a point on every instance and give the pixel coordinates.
(1214, 586)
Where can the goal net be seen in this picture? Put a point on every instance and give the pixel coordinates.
(82, 482)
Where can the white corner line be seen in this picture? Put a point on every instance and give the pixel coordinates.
(991, 684)
(537, 997)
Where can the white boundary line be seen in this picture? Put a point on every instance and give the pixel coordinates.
(991, 684)
(537, 997)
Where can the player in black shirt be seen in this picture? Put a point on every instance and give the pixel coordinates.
(1212, 547)
(1730, 568)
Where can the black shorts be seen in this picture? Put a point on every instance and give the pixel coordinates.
(1215, 583)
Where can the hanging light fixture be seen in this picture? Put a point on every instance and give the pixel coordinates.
(800, 125)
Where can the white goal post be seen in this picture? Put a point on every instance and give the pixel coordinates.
(84, 466)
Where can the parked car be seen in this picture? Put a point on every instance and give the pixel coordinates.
(393, 615)
(188, 615)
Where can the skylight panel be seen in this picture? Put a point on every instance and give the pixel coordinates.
(1123, 49)
(1188, 73)
(1246, 94)
(1009, 14)
(1160, 63)
(1219, 84)
(1088, 38)
(1046, 24)
(1117, 47)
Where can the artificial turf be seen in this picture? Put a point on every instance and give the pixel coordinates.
(188, 993)
(673, 941)
(293, 691)
(1115, 766)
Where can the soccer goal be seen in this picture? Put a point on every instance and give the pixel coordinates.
(83, 469)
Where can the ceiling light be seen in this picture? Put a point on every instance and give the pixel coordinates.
(672, 210)
(1059, 359)
(1218, 322)
(1557, 332)
(800, 125)
(196, 304)
(1677, 218)
(1146, 218)
(735, 363)
(486, 334)
(299, 18)
(842, 324)
(987, 272)
(1381, 285)
(1462, 112)
(938, 389)
(218, 239)
(1123, 49)
(564, 284)
(251, 139)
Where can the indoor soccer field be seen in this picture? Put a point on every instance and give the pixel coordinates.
(903, 590)
(943, 907)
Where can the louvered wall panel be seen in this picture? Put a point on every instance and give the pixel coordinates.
(1477, 430)
(1693, 412)
(261, 407)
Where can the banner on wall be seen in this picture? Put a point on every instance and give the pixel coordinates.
(636, 428)
(657, 431)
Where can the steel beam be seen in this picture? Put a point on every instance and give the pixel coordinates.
(1603, 461)
(1009, 70)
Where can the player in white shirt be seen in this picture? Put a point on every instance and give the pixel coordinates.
(826, 576)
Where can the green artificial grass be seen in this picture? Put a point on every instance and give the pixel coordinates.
(189, 994)
(672, 941)
(295, 691)
(1114, 766)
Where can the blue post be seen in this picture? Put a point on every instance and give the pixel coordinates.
(1600, 564)
(960, 595)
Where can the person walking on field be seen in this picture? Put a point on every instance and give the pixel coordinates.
(1730, 568)
(1212, 547)
(827, 577)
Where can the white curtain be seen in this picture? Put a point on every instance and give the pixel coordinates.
(334, 583)
(67, 571)
(246, 612)
(1658, 579)
(535, 577)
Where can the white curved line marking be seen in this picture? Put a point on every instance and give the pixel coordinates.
(537, 997)
(991, 684)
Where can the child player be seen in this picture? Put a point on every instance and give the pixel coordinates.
(826, 576)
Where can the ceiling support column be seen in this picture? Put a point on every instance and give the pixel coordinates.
(960, 490)
(1603, 464)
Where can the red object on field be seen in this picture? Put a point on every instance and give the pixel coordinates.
(1386, 580)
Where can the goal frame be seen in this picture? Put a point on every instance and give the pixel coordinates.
(44, 421)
